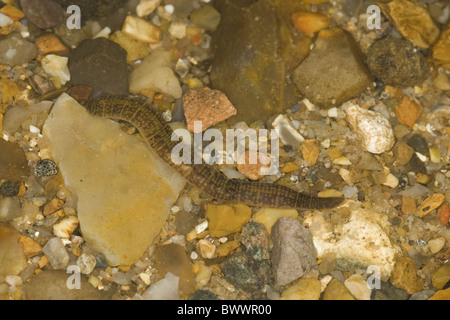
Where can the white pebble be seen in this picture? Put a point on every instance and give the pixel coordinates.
(56, 66)
(145, 277)
(165, 289)
(86, 262)
(201, 227)
(349, 191)
(170, 9)
(333, 112)
(435, 245)
(391, 181)
(374, 131)
(194, 255)
(65, 227)
(13, 281)
(358, 287)
(5, 20)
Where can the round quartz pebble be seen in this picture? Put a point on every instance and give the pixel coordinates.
(374, 131)
(87, 263)
(45, 168)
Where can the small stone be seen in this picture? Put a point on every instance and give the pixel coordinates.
(328, 263)
(50, 44)
(155, 74)
(269, 216)
(177, 29)
(358, 287)
(342, 161)
(287, 132)
(303, 289)
(225, 249)
(440, 277)
(81, 93)
(45, 168)
(423, 178)
(254, 170)
(12, 257)
(56, 67)
(369, 162)
(441, 295)
(203, 275)
(172, 259)
(101, 64)
(145, 277)
(443, 214)
(5, 20)
(30, 247)
(431, 203)
(207, 249)
(9, 189)
(330, 193)
(419, 144)
(10, 208)
(408, 205)
(402, 153)
(256, 240)
(86, 262)
(310, 22)
(136, 49)
(422, 295)
(146, 7)
(141, 29)
(206, 17)
(391, 181)
(290, 167)
(14, 50)
(12, 12)
(435, 245)
(412, 21)
(293, 252)
(354, 77)
(396, 62)
(388, 292)
(164, 289)
(336, 290)
(65, 227)
(404, 275)
(435, 155)
(54, 205)
(224, 219)
(408, 111)
(374, 131)
(310, 150)
(208, 106)
(43, 13)
(203, 295)
(441, 49)
(56, 253)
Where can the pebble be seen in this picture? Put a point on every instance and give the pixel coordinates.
(254, 170)
(441, 277)
(89, 160)
(408, 111)
(146, 7)
(154, 74)
(11, 251)
(430, 203)
(412, 21)
(207, 249)
(136, 49)
(203, 295)
(12, 12)
(310, 22)
(441, 295)
(164, 289)
(56, 253)
(208, 106)
(402, 153)
(101, 64)
(396, 62)
(404, 275)
(422, 295)
(56, 67)
(43, 13)
(45, 168)
(256, 240)
(435, 245)
(336, 290)
(443, 214)
(30, 247)
(141, 29)
(374, 131)
(14, 50)
(342, 161)
(408, 205)
(293, 252)
(388, 292)
(441, 48)
(86, 262)
(173, 259)
(354, 77)
(5, 20)
(303, 289)
(391, 181)
(9, 189)
(203, 275)
(49, 43)
(65, 227)
(419, 144)
(358, 287)
(287, 132)
(310, 150)
(54, 205)
(206, 17)
(369, 162)
(223, 250)
(224, 220)
(269, 216)
(328, 263)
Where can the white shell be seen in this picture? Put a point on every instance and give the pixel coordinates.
(374, 131)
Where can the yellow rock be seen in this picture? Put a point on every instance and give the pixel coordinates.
(441, 277)
(429, 204)
(310, 150)
(12, 257)
(290, 167)
(441, 295)
(336, 290)
(412, 21)
(442, 48)
(310, 22)
(30, 247)
(8, 90)
(404, 275)
(303, 289)
(136, 49)
(12, 12)
(224, 249)
(203, 275)
(330, 193)
(224, 219)
(268, 216)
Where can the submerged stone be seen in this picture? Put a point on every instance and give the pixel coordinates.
(334, 71)
(13, 164)
(124, 191)
(12, 257)
(247, 65)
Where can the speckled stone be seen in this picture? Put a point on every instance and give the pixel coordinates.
(256, 240)
(45, 168)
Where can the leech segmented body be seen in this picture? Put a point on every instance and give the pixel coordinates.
(157, 134)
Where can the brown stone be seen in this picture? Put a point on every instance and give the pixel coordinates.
(405, 276)
(12, 258)
(441, 295)
(402, 153)
(12, 12)
(408, 111)
(254, 170)
(442, 48)
(310, 22)
(30, 247)
(54, 205)
(443, 214)
(408, 205)
(336, 290)
(50, 43)
(310, 150)
(440, 277)
(208, 106)
(81, 93)
(431, 203)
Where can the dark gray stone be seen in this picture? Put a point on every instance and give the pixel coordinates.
(388, 292)
(43, 13)
(396, 62)
(9, 189)
(293, 252)
(203, 295)
(45, 168)
(100, 63)
(419, 144)
(422, 295)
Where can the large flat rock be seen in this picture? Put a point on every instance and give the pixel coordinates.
(124, 191)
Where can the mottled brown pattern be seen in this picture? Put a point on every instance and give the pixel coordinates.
(158, 134)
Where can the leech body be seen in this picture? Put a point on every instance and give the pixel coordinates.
(157, 134)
